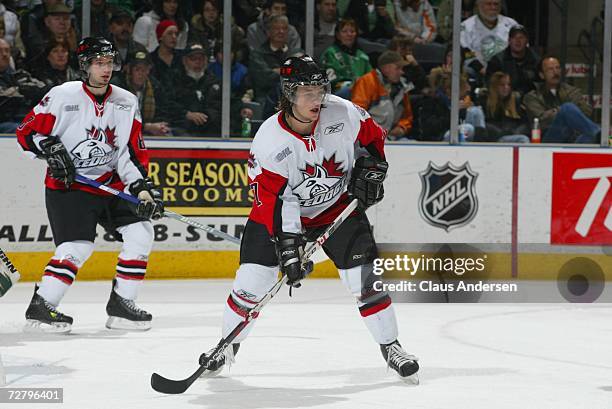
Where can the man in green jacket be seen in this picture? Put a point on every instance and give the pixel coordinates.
(562, 112)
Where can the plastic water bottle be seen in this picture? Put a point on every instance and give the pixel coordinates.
(246, 127)
(536, 133)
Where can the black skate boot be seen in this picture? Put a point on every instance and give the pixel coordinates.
(215, 366)
(41, 316)
(400, 361)
(125, 314)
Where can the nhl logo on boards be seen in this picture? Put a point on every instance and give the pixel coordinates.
(448, 195)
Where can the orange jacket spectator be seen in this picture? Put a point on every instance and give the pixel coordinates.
(384, 94)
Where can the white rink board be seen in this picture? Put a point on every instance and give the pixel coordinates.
(397, 218)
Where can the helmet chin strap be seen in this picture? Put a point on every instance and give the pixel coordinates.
(89, 84)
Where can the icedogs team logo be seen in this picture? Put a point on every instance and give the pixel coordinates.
(448, 195)
(321, 183)
(98, 149)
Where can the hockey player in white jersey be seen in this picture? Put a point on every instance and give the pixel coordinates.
(305, 163)
(92, 129)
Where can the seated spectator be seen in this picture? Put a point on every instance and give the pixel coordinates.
(18, 91)
(10, 30)
(257, 32)
(241, 90)
(146, 25)
(57, 26)
(121, 26)
(375, 18)
(560, 108)
(506, 120)
(484, 35)
(413, 72)
(55, 68)
(344, 61)
(265, 61)
(198, 92)
(518, 60)
(384, 94)
(416, 18)
(147, 89)
(100, 15)
(207, 28)
(166, 59)
(432, 112)
(326, 19)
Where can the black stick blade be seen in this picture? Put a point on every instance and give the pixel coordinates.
(165, 385)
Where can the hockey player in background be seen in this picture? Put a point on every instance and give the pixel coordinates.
(92, 129)
(305, 163)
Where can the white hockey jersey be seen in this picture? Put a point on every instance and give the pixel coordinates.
(103, 139)
(301, 181)
(482, 40)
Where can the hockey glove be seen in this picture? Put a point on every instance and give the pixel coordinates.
(151, 205)
(367, 180)
(290, 253)
(58, 159)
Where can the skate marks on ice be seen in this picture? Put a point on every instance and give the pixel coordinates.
(235, 392)
(23, 371)
(529, 324)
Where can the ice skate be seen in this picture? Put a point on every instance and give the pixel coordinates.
(42, 316)
(215, 366)
(400, 361)
(125, 314)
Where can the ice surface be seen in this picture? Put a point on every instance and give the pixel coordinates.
(313, 351)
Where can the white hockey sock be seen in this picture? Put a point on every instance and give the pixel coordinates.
(127, 288)
(382, 325)
(231, 318)
(52, 289)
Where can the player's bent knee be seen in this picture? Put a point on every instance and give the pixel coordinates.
(353, 278)
(77, 252)
(137, 238)
(252, 282)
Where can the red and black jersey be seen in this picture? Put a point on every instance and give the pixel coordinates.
(301, 181)
(103, 139)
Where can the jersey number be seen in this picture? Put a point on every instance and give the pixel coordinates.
(254, 187)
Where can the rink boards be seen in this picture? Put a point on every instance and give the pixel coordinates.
(533, 210)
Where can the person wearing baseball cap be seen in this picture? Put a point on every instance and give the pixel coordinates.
(198, 92)
(518, 60)
(383, 92)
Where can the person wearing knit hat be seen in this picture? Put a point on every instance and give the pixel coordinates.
(166, 59)
(163, 26)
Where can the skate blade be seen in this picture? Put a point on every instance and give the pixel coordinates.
(39, 327)
(122, 323)
(412, 379)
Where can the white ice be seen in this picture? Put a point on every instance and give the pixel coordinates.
(313, 351)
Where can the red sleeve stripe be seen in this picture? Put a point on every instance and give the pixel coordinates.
(31, 125)
(267, 210)
(138, 152)
(372, 137)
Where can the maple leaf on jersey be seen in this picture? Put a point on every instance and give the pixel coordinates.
(332, 167)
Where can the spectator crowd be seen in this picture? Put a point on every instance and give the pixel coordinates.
(390, 57)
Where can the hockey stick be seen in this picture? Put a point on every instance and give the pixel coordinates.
(169, 386)
(167, 213)
(8, 273)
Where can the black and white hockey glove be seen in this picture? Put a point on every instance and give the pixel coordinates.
(290, 253)
(367, 180)
(58, 159)
(151, 205)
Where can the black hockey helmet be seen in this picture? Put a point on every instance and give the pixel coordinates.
(302, 71)
(94, 47)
